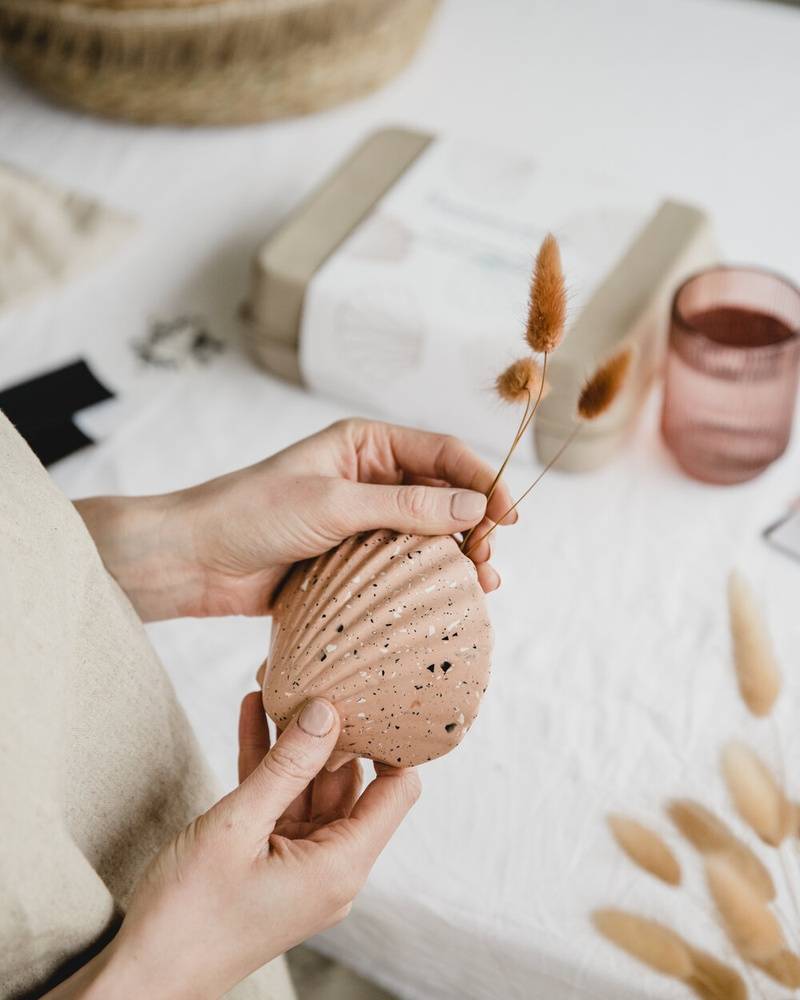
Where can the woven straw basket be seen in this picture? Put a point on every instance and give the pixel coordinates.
(206, 62)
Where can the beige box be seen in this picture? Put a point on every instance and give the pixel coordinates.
(629, 305)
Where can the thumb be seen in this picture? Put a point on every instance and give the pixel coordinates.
(298, 755)
(421, 510)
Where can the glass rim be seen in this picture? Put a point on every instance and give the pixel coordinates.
(677, 319)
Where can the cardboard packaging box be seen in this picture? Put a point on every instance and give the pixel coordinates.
(401, 287)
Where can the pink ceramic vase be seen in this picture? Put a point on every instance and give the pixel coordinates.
(395, 631)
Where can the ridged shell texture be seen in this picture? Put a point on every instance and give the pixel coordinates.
(395, 631)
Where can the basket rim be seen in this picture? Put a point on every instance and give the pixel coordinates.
(207, 13)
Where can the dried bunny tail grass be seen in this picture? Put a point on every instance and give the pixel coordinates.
(756, 794)
(709, 835)
(714, 980)
(645, 848)
(547, 306)
(602, 388)
(794, 819)
(522, 381)
(756, 667)
(784, 968)
(752, 928)
(651, 943)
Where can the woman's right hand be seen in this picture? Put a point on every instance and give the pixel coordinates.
(277, 860)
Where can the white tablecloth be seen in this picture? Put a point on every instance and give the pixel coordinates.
(612, 687)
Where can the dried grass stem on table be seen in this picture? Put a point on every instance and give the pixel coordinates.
(741, 889)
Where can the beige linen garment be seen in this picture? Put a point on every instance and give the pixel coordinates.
(98, 764)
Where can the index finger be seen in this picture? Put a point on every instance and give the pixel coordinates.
(253, 734)
(381, 808)
(442, 456)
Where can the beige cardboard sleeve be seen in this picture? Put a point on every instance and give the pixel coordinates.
(630, 306)
(286, 263)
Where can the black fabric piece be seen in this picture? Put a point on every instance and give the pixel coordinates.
(50, 442)
(41, 408)
(55, 395)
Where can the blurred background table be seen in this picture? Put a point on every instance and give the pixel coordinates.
(612, 686)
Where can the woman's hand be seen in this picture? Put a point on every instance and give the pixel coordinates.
(222, 547)
(277, 860)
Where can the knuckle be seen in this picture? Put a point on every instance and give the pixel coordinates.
(451, 443)
(348, 425)
(288, 763)
(449, 448)
(413, 500)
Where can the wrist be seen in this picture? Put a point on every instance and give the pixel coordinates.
(103, 977)
(123, 974)
(139, 541)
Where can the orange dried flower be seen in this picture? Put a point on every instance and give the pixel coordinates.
(600, 391)
(521, 378)
(547, 306)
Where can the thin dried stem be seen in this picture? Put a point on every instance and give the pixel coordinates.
(501, 470)
(526, 423)
(527, 417)
(537, 480)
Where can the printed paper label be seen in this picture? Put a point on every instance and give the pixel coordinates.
(425, 302)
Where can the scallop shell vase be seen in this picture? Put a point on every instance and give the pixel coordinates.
(394, 630)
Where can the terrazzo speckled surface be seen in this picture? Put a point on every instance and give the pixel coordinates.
(393, 629)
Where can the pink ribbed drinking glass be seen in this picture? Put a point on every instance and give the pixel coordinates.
(732, 370)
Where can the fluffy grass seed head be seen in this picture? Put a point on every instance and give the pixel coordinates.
(602, 388)
(653, 944)
(752, 928)
(645, 848)
(714, 980)
(756, 794)
(757, 669)
(709, 835)
(547, 305)
(521, 381)
(784, 968)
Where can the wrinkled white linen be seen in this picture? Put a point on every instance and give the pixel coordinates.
(612, 686)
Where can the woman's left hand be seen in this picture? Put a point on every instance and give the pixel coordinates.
(221, 548)
(278, 859)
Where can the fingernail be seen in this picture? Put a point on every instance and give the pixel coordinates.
(316, 719)
(467, 506)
